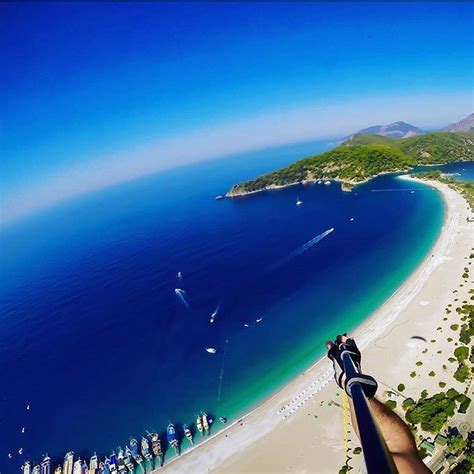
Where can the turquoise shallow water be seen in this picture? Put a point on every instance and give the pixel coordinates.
(94, 338)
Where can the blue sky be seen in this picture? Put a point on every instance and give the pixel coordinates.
(97, 94)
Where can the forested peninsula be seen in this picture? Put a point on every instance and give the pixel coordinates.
(363, 157)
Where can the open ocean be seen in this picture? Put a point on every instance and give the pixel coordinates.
(94, 339)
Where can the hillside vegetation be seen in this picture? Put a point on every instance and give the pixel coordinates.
(365, 156)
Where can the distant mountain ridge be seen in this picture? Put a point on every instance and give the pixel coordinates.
(398, 129)
(464, 125)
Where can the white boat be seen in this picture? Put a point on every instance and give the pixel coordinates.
(351, 219)
(26, 467)
(211, 350)
(259, 320)
(77, 467)
(298, 202)
(246, 325)
(68, 462)
(327, 182)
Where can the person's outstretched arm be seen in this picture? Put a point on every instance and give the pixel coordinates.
(399, 439)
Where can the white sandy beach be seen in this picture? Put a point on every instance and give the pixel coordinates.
(300, 428)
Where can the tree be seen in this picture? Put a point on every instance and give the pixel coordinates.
(456, 444)
(461, 353)
(462, 373)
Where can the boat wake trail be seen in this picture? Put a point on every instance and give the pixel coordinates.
(303, 248)
(221, 375)
(180, 294)
(310, 243)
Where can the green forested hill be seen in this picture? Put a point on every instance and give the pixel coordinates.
(365, 156)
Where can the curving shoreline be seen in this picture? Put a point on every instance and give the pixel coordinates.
(249, 443)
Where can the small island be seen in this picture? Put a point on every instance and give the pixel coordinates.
(363, 157)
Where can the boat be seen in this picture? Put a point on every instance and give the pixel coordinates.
(199, 424)
(146, 449)
(187, 433)
(205, 422)
(179, 275)
(120, 462)
(156, 444)
(68, 462)
(77, 467)
(223, 419)
(171, 436)
(113, 462)
(211, 350)
(26, 468)
(219, 197)
(37, 469)
(106, 466)
(128, 459)
(246, 325)
(327, 182)
(93, 464)
(259, 320)
(84, 468)
(101, 468)
(46, 465)
(58, 470)
(298, 202)
(134, 448)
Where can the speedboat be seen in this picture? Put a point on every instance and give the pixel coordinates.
(211, 350)
(298, 202)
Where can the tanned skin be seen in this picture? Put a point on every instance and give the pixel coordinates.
(399, 439)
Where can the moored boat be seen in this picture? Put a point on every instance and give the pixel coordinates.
(68, 462)
(146, 449)
(134, 448)
(113, 463)
(199, 424)
(77, 467)
(156, 446)
(187, 433)
(106, 466)
(128, 459)
(121, 461)
(26, 468)
(205, 423)
(36, 469)
(171, 436)
(46, 465)
(58, 470)
(84, 468)
(93, 464)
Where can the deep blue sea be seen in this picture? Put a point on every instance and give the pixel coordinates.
(94, 339)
